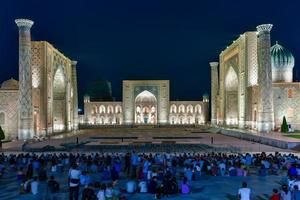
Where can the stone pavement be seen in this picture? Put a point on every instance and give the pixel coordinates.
(220, 141)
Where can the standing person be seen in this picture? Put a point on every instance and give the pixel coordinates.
(134, 164)
(53, 186)
(244, 192)
(275, 195)
(101, 193)
(127, 164)
(285, 194)
(74, 179)
(88, 193)
(296, 193)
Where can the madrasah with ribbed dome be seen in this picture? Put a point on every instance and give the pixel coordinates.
(252, 84)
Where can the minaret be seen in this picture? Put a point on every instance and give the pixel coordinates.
(265, 92)
(214, 91)
(75, 95)
(25, 127)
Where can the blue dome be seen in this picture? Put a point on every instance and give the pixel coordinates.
(281, 58)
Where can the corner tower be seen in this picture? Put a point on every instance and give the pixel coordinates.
(25, 127)
(214, 91)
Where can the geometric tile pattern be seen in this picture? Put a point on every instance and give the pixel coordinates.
(25, 80)
(265, 92)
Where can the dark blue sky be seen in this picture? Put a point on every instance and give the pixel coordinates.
(144, 39)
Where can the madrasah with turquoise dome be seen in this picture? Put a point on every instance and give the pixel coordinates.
(252, 84)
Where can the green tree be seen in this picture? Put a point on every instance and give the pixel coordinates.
(284, 126)
(2, 136)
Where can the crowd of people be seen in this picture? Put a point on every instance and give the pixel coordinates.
(161, 175)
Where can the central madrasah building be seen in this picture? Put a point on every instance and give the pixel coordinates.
(253, 86)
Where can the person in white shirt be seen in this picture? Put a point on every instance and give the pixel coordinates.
(101, 193)
(131, 186)
(74, 180)
(143, 187)
(244, 192)
(34, 186)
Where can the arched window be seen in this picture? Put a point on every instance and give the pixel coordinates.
(118, 109)
(173, 109)
(181, 109)
(2, 118)
(198, 109)
(189, 109)
(110, 109)
(102, 109)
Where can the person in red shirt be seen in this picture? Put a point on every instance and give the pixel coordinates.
(275, 195)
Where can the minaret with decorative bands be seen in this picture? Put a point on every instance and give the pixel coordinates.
(265, 92)
(75, 95)
(25, 127)
(214, 91)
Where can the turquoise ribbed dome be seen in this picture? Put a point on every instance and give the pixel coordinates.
(205, 95)
(281, 58)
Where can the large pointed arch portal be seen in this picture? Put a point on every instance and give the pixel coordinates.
(145, 108)
(231, 97)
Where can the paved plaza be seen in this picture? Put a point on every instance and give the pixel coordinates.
(153, 135)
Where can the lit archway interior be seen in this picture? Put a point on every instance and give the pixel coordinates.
(145, 108)
(231, 101)
(59, 101)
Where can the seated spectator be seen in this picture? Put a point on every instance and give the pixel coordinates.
(152, 185)
(262, 171)
(88, 193)
(244, 192)
(275, 195)
(20, 175)
(42, 173)
(53, 185)
(101, 193)
(131, 186)
(85, 179)
(285, 194)
(185, 188)
(143, 187)
(296, 193)
(109, 192)
(34, 185)
(232, 171)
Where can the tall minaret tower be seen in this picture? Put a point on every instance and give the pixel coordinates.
(75, 95)
(265, 92)
(214, 91)
(25, 127)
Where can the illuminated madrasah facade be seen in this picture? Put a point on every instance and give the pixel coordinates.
(253, 86)
(145, 102)
(44, 100)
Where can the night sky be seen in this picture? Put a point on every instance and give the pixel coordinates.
(144, 39)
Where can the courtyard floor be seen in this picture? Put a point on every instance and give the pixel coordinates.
(179, 135)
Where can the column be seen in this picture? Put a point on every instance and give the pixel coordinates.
(265, 92)
(75, 95)
(25, 126)
(214, 91)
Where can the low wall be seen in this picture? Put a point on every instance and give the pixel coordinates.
(244, 135)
